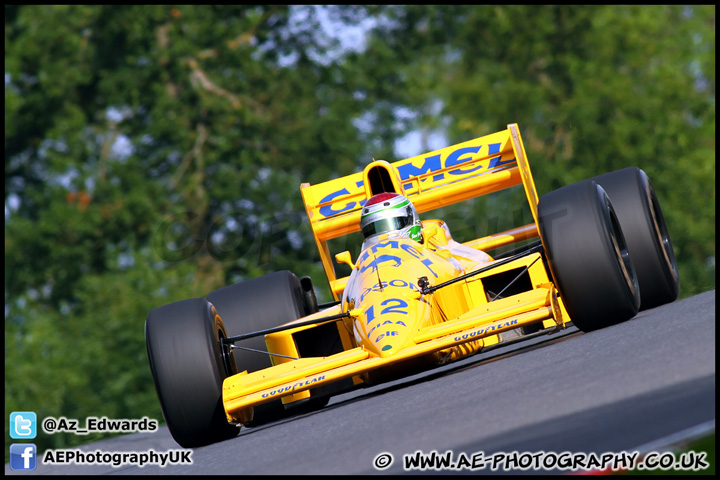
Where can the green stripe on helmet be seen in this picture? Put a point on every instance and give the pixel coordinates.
(403, 204)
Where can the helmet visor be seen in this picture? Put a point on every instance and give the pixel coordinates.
(386, 225)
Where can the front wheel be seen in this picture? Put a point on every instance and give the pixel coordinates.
(188, 366)
(259, 304)
(588, 256)
(643, 225)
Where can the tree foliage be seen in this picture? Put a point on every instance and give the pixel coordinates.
(154, 153)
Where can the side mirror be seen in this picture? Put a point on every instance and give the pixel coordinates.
(429, 232)
(344, 257)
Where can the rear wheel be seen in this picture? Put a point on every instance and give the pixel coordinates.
(588, 255)
(259, 304)
(643, 225)
(188, 366)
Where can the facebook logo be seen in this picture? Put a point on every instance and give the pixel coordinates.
(23, 425)
(23, 456)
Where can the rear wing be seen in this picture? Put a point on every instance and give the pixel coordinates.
(432, 180)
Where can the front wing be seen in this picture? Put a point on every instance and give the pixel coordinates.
(481, 324)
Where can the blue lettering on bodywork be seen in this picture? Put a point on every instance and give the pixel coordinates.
(391, 333)
(397, 283)
(382, 259)
(454, 159)
(411, 250)
(328, 211)
(384, 323)
(293, 387)
(375, 248)
(484, 330)
(431, 164)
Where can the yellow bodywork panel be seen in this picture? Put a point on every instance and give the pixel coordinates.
(243, 391)
(407, 301)
(436, 179)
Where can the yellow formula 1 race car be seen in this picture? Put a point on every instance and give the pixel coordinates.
(596, 253)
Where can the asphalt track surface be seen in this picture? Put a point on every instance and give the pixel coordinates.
(633, 385)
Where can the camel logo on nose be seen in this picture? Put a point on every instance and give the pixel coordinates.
(381, 259)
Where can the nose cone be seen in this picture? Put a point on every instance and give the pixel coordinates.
(390, 319)
(386, 342)
(383, 284)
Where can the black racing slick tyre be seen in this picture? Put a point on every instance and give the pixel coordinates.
(188, 366)
(646, 233)
(259, 304)
(587, 255)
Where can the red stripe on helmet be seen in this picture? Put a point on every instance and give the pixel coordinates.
(381, 197)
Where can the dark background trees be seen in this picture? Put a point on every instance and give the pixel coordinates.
(155, 153)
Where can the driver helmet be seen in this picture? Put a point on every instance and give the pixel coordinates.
(390, 213)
